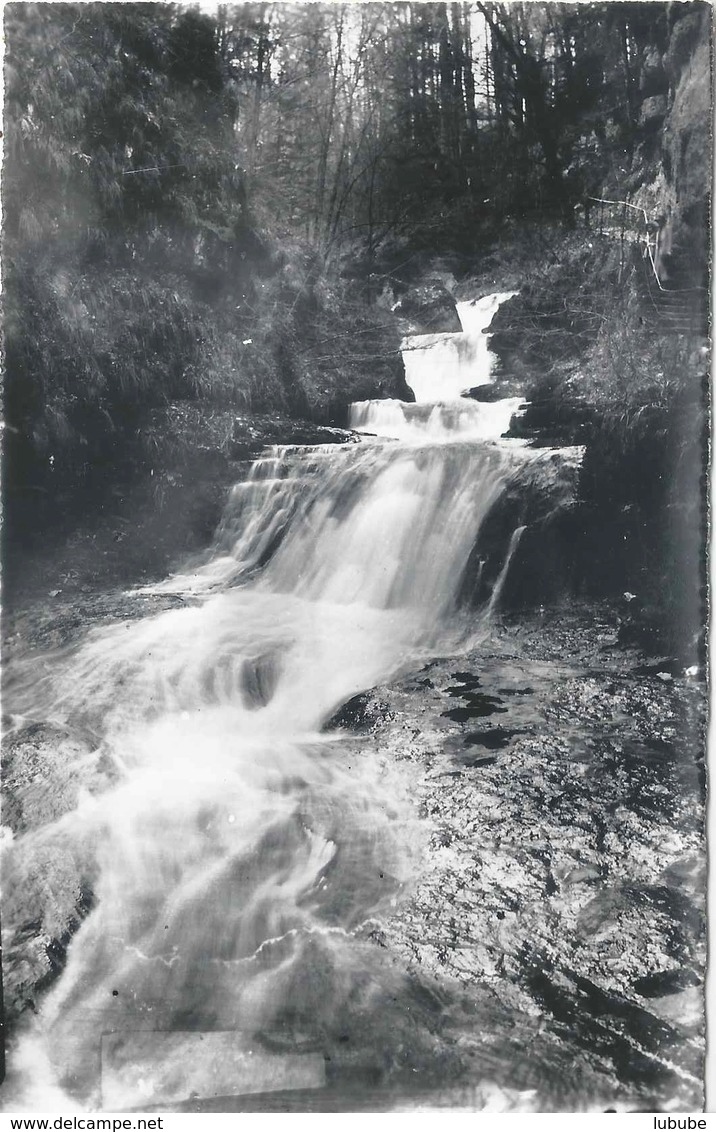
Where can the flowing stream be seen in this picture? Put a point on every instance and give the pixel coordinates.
(237, 860)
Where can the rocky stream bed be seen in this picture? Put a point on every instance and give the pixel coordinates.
(562, 778)
(555, 933)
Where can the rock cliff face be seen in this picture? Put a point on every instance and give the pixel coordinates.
(675, 124)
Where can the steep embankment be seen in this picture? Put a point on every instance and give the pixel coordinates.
(607, 340)
(285, 375)
(671, 170)
(143, 278)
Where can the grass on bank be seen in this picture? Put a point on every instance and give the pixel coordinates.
(601, 369)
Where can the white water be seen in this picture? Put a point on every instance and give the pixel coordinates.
(236, 855)
(441, 367)
(446, 422)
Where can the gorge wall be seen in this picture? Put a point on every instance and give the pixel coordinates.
(671, 169)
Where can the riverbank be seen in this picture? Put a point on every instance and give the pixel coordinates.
(137, 528)
(562, 778)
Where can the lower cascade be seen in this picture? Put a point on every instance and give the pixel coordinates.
(235, 862)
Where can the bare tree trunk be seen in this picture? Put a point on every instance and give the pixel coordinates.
(328, 136)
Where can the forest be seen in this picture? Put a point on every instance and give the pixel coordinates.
(249, 173)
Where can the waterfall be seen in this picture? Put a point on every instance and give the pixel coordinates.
(236, 859)
(456, 420)
(441, 367)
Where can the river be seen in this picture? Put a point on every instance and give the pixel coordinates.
(236, 855)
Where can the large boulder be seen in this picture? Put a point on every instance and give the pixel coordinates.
(48, 887)
(653, 111)
(430, 305)
(654, 79)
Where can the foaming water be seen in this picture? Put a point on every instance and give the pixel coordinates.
(441, 367)
(236, 859)
(476, 314)
(453, 421)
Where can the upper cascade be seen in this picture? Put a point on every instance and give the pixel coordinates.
(440, 369)
(476, 315)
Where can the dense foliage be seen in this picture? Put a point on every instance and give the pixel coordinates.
(182, 191)
(124, 216)
(135, 273)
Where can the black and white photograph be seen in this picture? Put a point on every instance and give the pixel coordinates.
(355, 473)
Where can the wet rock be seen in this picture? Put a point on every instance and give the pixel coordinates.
(430, 306)
(477, 707)
(684, 1010)
(44, 769)
(653, 111)
(251, 434)
(666, 982)
(40, 626)
(569, 878)
(583, 875)
(467, 681)
(35, 951)
(363, 712)
(540, 497)
(47, 770)
(487, 761)
(488, 394)
(494, 740)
